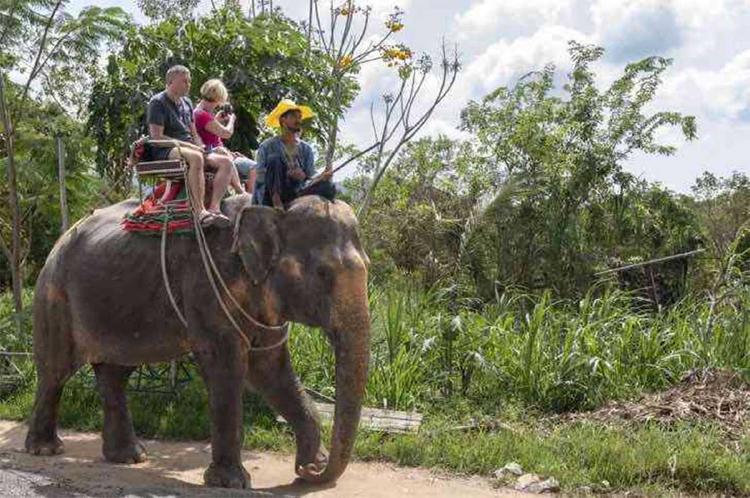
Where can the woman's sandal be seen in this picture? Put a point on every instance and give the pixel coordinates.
(213, 219)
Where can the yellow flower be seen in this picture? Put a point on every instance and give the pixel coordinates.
(346, 61)
(347, 9)
(394, 26)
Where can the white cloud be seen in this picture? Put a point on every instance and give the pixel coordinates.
(637, 29)
(509, 17)
(505, 61)
(722, 95)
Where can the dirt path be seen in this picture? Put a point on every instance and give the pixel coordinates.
(176, 469)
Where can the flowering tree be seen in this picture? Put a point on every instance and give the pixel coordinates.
(349, 46)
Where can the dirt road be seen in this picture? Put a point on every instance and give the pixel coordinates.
(176, 469)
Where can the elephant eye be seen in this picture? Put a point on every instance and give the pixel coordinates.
(324, 272)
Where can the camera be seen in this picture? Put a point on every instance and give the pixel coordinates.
(225, 108)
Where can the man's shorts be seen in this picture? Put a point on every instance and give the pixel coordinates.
(244, 165)
(157, 153)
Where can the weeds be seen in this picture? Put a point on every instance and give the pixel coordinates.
(455, 360)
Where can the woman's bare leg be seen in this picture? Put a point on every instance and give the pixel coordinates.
(223, 176)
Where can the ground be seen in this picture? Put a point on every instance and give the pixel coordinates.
(176, 469)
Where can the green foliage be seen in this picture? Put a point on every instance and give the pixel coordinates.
(723, 206)
(433, 347)
(564, 204)
(261, 60)
(159, 10)
(51, 53)
(538, 198)
(418, 210)
(38, 187)
(11, 339)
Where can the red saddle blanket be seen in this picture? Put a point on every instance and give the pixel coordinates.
(167, 202)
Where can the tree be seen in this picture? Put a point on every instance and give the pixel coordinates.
(344, 41)
(417, 212)
(723, 205)
(49, 48)
(557, 164)
(401, 121)
(160, 10)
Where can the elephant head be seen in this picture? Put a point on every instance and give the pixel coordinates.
(310, 268)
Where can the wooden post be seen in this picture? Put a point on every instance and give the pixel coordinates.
(14, 252)
(61, 178)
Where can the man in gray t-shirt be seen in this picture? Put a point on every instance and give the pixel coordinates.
(170, 118)
(176, 118)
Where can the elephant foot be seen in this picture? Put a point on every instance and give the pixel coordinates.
(312, 466)
(134, 452)
(226, 477)
(44, 446)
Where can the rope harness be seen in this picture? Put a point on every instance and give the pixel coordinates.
(213, 274)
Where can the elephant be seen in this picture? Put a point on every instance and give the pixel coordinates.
(101, 299)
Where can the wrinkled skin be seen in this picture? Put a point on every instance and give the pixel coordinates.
(100, 299)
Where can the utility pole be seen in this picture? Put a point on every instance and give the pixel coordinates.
(14, 252)
(61, 178)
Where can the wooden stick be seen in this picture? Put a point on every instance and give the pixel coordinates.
(651, 262)
(61, 178)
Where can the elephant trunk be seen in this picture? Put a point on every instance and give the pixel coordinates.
(351, 344)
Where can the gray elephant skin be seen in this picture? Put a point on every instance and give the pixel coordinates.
(100, 299)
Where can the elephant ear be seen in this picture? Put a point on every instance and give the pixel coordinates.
(257, 240)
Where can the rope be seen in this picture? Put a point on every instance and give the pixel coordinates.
(210, 268)
(203, 245)
(164, 271)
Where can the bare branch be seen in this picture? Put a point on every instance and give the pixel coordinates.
(345, 33)
(362, 33)
(51, 53)
(334, 20)
(39, 52)
(309, 26)
(372, 118)
(320, 28)
(357, 156)
(409, 130)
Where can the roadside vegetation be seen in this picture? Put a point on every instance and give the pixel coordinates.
(496, 309)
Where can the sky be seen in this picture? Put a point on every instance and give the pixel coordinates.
(500, 40)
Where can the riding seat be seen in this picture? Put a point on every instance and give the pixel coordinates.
(171, 170)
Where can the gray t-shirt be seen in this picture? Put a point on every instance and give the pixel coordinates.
(175, 118)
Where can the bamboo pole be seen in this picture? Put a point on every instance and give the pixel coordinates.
(651, 262)
(14, 252)
(65, 223)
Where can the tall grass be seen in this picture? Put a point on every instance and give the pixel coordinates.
(430, 347)
(553, 355)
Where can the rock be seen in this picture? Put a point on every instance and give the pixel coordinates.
(527, 480)
(546, 486)
(532, 483)
(510, 469)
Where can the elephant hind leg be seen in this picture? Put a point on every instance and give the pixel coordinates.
(120, 444)
(55, 363)
(42, 438)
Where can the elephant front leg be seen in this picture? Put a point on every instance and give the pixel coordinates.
(272, 376)
(223, 374)
(120, 444)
